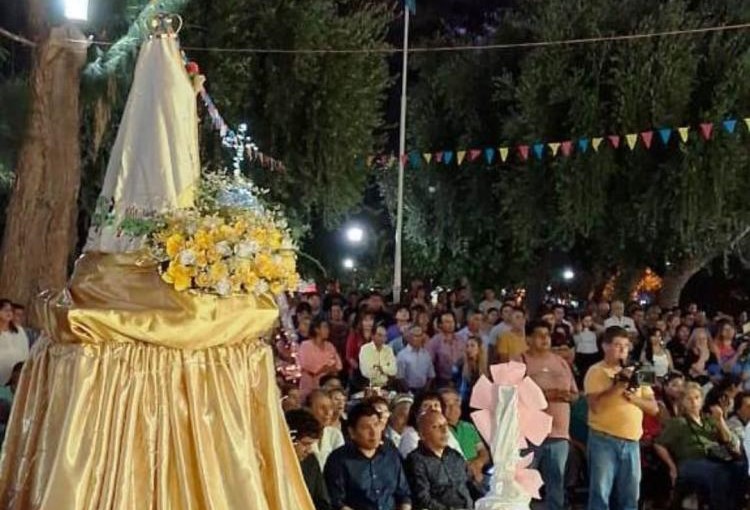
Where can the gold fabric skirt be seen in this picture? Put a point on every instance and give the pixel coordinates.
(179, 421)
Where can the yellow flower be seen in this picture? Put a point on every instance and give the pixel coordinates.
(218, 271)
(179, 276)
(174, 245)
(202, 280)
(203, 240)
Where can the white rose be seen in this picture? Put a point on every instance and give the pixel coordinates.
(224, 287)
(246, 250)
(187, 257)
(223, 248)
(261, 287)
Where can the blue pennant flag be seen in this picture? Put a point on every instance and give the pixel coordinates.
(665, 134)
(411, 5)
(489, 155)
(539, 150)
(415, 159)
(447, 157)
(583, 144)
(729, 125)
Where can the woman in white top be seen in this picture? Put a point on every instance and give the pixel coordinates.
(321, 406)
(587, 348)
(656, 355)
(14, 344)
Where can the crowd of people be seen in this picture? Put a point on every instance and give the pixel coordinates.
(649, 407)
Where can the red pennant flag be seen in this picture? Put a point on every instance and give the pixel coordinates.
(647, 137)
(404, 159)
(523, 151)
(439, 157)
(614, 140)
(566, 148)
(706, 130)
(474, 154)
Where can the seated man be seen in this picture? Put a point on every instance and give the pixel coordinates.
(365, 474)
(436, 472)
(306, 431)
(467, 435)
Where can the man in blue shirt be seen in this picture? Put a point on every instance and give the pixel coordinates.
(365, 474)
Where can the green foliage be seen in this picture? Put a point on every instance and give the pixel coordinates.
(316, 113)
(611, 208)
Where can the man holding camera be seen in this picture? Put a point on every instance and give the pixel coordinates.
(616, 405)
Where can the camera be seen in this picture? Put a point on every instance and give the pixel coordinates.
(641, 376)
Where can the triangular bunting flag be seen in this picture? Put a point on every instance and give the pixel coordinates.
(631, 140)
(503, 153)
(554, 147)
(615, 141)
(427, 157)
(523, 151)
(647, 137)
(474, 154)
(403, 159)
(583, 144)
(447, 157)
(729, 125)
(566, 147)
(683, 131)
(489, 155)
(370, 159)
(415, 159)
(460, 155)
(665, 134)
(539, 150)
(706, 129)
(747, 123)
(596, 142)
(439, 156)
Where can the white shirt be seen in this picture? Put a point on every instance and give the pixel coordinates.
(496, 331)
(415, 367)
(586, 342)
(331, 439)
(14, 349)
(625, 323)
(370, 357)
(661, 364)
(746, 442)
(410, 440)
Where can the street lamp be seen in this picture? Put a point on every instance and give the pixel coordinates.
(568, 274)
(348, 263)
(355, 234)
(77, 10)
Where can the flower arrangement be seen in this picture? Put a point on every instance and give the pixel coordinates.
(225, 247)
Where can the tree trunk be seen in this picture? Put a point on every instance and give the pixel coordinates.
(41, 217)
(675, 279)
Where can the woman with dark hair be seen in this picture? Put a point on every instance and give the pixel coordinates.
(362, 333)
(14, 344)
(317, 357)
(656, 355)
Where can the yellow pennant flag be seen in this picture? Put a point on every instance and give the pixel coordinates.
(747, 123)
(427, 157)
(631, 139)
(554, 147)
(460, 155)
(503, 153)
(683, 134)
(369, 161)
(596, 142)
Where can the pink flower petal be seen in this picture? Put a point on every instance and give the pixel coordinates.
(530, 481)
(483, 421)
(483, 396)
(531, 395)
(508, 374)
(535, 425)
(522, 443)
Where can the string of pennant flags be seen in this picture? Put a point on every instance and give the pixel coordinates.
(563, 148)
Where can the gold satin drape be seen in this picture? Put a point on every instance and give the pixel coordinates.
(102, 420)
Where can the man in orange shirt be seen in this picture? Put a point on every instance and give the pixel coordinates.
(615, 416)
(512, 343)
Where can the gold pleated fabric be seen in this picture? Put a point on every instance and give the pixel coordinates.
(103, 420)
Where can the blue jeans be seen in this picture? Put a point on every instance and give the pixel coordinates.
(720, 483)
(613, 463)
(550, 459)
